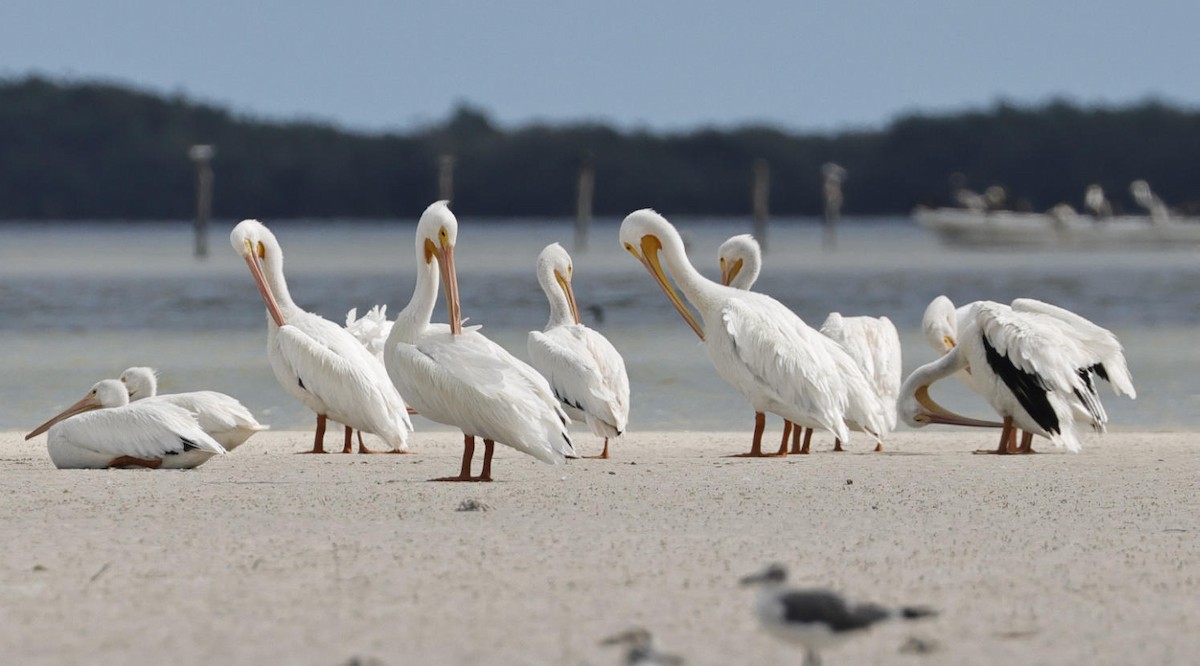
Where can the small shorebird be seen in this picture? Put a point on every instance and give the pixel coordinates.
(815, 619)
(640, 649)
(585, 371)
(221, 416)
(105, 430)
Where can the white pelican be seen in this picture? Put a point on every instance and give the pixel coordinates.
(585, 371)
(755, 343)
(457, 376)
(120, 434)
(1033, 362)
(221, 416)
(315, 360)
(872, 342)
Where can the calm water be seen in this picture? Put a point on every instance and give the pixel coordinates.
(81, 302)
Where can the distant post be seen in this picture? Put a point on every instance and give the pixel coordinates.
(760, 196)
(446, 177)
(831, 191)
(202, 155)
(583, 202)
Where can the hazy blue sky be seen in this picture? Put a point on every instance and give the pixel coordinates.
(663, 65)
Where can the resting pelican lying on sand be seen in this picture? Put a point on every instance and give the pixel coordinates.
(105, 430)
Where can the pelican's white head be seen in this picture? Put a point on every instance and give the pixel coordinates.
(140, 382)
(554, 272)
(258, 247)
(740, 259)
(104, 394)
(437, 232)
(644, 234)
(940, 325)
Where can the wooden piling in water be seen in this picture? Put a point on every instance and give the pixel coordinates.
(760, 197)
(202, 155)
(446, 177)
(584, 191)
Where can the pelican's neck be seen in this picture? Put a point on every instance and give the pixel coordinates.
(907, 406)
(272, 265)
(415, 316)
(700, 291)
(560, 309)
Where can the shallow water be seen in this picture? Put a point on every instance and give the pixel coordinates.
(82, 301)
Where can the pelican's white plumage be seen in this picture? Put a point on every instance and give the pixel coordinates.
(315, 360)
(584, 370)
(1035, 365)
(874, 344)
(221, 416)
(758, 345)
(372, 329)
(871, 342)
(457, 376)
(105, 430)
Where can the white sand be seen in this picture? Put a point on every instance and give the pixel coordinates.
(268, 557)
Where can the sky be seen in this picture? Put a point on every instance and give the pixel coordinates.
(665, 65)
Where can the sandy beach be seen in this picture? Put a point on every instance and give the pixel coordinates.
(263, 556)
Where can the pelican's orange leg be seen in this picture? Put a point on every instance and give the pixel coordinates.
(319, 440)
(486, 473)
(130, 461)
(1007, 439)
(603, 454)
(468, 453)
(1026, 443)
(808, 433)
(760, 424)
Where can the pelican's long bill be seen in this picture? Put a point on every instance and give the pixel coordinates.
(936, 413)
(87, 404)
(651, 246)
(252, 259)
(445, 259)
(565, 284)
(728, 271)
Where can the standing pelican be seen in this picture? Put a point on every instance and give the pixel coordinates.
(315, 360)
(872, 342)
(1034, 363)
(457, 376)
(120, 434)
(756, 344)
(221, 416)
(585, 371)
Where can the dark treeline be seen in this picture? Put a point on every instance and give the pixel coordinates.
(72, 150)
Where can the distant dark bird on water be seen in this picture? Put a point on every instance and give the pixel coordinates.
(641, 651)
(815, 619)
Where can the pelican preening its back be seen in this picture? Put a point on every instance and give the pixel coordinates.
(457, 376)
(755, 343)
(104, 430)
(371, 329)
(871, 342)
(584, 370)
(221, 416)
(1036, 365)
(315, 360)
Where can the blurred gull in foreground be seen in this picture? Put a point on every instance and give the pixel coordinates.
(641, 650)
(816, 619)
